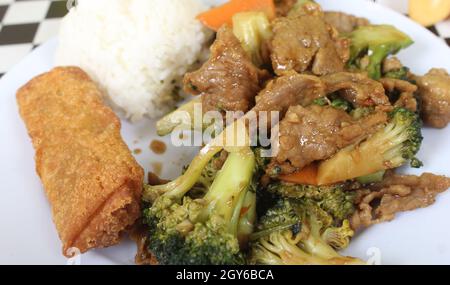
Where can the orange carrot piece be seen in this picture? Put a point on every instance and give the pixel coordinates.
(307, 175)
(217, 17)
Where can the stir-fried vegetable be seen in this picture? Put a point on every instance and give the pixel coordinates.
(182, 118)
(252, 29)
(370, 45)
(300, 233)
(308, 175)
(219, 16)
(391, 147)
(206, 230)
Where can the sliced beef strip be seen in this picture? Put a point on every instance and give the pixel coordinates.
(402, 93)
(345, 23)
(228, 80)
(434, 92)
(304, 42)
(316, 133)
(356, 88)
(397, 193)
(289, 90)
(391, 64)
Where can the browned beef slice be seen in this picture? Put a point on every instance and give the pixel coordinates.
(345, 23)
(397, 193)
(406, 92)
(434, 91)
(356, 88)
(288, 90)
(303, 42)
(316, 133)
(228, 80)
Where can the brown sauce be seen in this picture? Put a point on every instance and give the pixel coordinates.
(157, 168)
(158, 147)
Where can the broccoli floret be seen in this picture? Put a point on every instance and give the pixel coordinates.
(333, 199)
(203, 231)
(292, 233)
(398, 142)
(338, 237)
(370, 45)
(252, 29)
(207, 175)
(372, 178)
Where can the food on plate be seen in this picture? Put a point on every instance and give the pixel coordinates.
(396, 193)
(345, 23)
(391, 147)
(253, 30)
(350, 116)
(323, 131)
(429, 12)
(370, 45)
(229, 80)
(297, 232)
(357, 89)
(210, 230)
(136, 50)
(401, 92)
(219, 16)
(320, 50)
(92, 181)
(434, 91)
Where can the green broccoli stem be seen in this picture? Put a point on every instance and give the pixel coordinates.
(314, 243)
(372, 178)
(227, 193)
(377, 55)
(182, 118)
(228, 140)
(247, 218)
(178, 188)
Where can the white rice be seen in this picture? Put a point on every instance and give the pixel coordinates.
(134, 49)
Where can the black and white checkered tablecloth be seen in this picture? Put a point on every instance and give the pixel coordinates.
(25, 24)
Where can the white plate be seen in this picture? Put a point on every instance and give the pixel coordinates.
(28, 236)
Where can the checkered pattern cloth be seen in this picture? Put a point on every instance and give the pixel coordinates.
(25, 24)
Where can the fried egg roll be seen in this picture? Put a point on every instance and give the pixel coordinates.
(90, 177)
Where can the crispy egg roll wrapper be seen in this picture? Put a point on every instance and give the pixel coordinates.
(91, 179)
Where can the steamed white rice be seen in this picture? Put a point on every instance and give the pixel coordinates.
(134, 49)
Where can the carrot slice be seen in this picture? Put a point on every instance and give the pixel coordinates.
(217, 17)
(308, 175)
